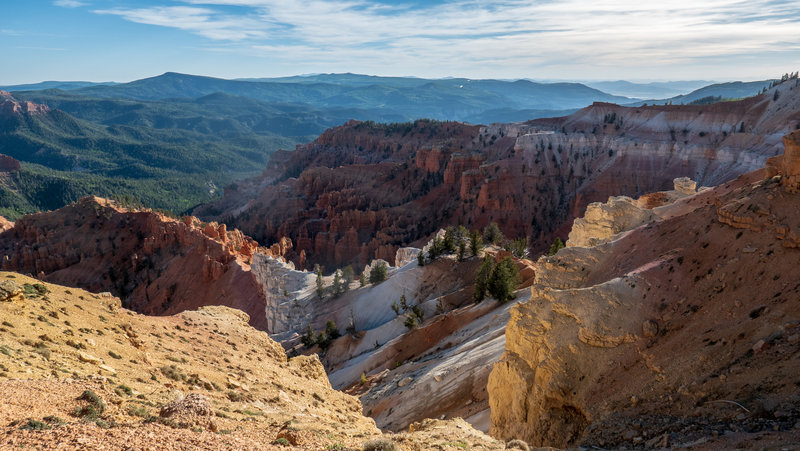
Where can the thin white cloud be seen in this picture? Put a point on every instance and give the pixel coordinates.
(47, 49)
(203, 21)
(511, 36)
(69, 3)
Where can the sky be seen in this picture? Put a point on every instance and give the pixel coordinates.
(124, 40)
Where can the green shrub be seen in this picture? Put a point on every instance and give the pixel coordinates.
(138, 411)
(93, 410)
(124, 389)
(377, 273)
(173, 372)
(35, 425)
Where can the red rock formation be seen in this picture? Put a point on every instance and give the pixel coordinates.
(9, 106)
(393, 185)
(156, 264)
(9, 164)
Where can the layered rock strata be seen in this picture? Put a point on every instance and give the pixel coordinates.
(157, 265)
(361, 191)
(692, 314)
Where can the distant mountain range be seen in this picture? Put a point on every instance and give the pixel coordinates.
(407, 98)
(653, 90)
(172, 140)
(389, 99)
(719, 91)
(62, 85)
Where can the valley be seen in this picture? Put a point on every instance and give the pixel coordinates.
(668, 320)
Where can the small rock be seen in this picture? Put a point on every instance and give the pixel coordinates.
(649, 328)
(290, 436)
(749, 250)
(212, 426)
(9, 291)
(192, 404)
(759, 346)
(405, 381)
(108, 369)
(88, 358)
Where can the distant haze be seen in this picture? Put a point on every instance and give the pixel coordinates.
(122, 40)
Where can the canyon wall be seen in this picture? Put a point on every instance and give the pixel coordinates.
(363, 190)
(691, 313)
(157, 265)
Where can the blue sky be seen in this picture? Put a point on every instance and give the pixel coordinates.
(123, 40)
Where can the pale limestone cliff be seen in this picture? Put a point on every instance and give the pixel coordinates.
(604, 220)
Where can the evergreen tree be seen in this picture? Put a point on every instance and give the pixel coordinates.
(403, 303)
(338, 286)
(436, 248)
(331, 330)
(462, 249)
(320, 286)
(503, 281)
(378, 273)
(308, 337)
(492, 234)
(475, 242)
(421, 258)
(518, 247)
(411, 322)
(557, 244)
(482, 279)
(417, 311)
(347, 277)
(322, 340)
(362, 279)
(449, 241)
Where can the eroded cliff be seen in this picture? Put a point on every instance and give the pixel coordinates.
(678, 329)
(361, 191)
(156, 264)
